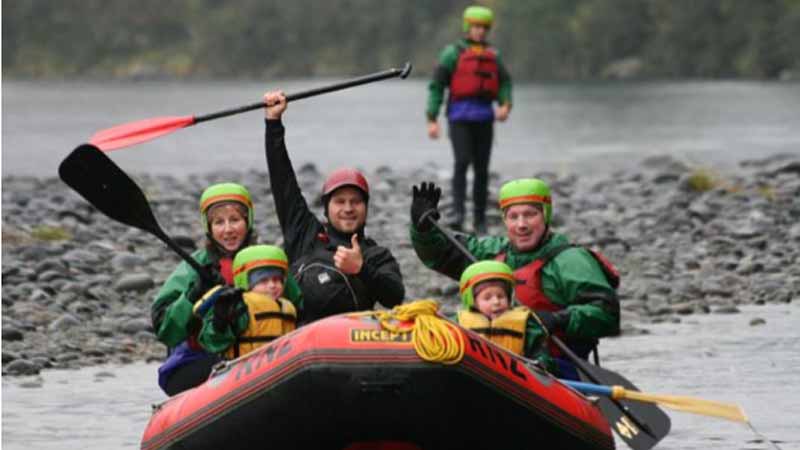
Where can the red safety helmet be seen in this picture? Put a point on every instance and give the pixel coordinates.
(345, 177)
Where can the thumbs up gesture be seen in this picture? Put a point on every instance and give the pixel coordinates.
(349, 260)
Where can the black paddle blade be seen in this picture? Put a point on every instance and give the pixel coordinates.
(657, 421)
(102, 183)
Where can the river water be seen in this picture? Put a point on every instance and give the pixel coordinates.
(560, 126)
(716, 357)
(557, 126)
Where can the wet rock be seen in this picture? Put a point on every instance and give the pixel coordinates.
(81, 256)
(65, 322)
(21, 367)
(65, 357)
(80, 307)
(126, 261)
(133, 326)
(134, 282)
(683, 308)
(728, 309)
(11, 334)
(41, 361)
(9, 356)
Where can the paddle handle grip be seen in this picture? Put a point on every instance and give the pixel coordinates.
(389, 73)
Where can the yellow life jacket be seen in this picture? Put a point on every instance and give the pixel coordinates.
(508, 330)
(268, 319)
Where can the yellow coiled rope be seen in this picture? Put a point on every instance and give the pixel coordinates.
(435, 339)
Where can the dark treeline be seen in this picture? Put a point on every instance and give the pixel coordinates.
(540, 39)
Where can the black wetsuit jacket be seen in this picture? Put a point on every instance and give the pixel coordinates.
(310, 246)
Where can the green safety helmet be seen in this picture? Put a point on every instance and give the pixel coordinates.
(257, 257)
(477, 15)
(527, 190)
(225, 192)
(483, 271)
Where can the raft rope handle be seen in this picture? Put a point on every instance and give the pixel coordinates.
(435, 339)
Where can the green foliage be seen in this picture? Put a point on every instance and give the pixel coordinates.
(540, 39)
(702, 180)
(49, 233)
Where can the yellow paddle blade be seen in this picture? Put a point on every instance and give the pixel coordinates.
(688, 404)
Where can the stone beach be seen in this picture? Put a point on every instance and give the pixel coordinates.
(77, 286)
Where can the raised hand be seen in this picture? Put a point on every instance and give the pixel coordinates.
(275, 104)
(425, 202)
(349, 260)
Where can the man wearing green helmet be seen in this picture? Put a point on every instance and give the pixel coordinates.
(486, 288)
(226, 214)
(239, 319)
(571, 289)
(474, 75)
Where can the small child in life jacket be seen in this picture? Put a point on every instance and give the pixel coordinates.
(486, 288)
(237, 320)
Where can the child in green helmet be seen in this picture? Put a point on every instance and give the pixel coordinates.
(486, 291)
(239, 319)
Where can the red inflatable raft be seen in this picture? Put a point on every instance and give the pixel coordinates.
(347, 383)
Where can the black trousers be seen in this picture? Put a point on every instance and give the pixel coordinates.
(472, 145)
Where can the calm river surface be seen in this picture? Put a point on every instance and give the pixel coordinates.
(717, 357)
(558, 126)
(554, 127)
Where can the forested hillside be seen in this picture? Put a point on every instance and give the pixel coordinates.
(541, 39)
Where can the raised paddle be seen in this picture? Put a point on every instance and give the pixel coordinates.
(144, 130)
(640, 425)
(91, 173)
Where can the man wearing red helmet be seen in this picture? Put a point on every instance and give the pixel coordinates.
(338, 268)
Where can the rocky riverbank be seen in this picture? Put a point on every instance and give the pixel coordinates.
(77, 286)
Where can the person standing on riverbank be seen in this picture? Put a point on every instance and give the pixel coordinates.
(572, 290)
(474, 75)
(338, 267)
(226, 213)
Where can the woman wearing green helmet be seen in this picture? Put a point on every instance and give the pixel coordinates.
(473, 73)
(486, 289)
(226, 214)
(239, 319)
(572, 290)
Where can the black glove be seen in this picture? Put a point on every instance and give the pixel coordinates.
(425, 203)
(553, 321)
(202, 285)
(227, 308)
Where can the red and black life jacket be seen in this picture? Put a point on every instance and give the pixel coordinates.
(476, 73)
(528, 288)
